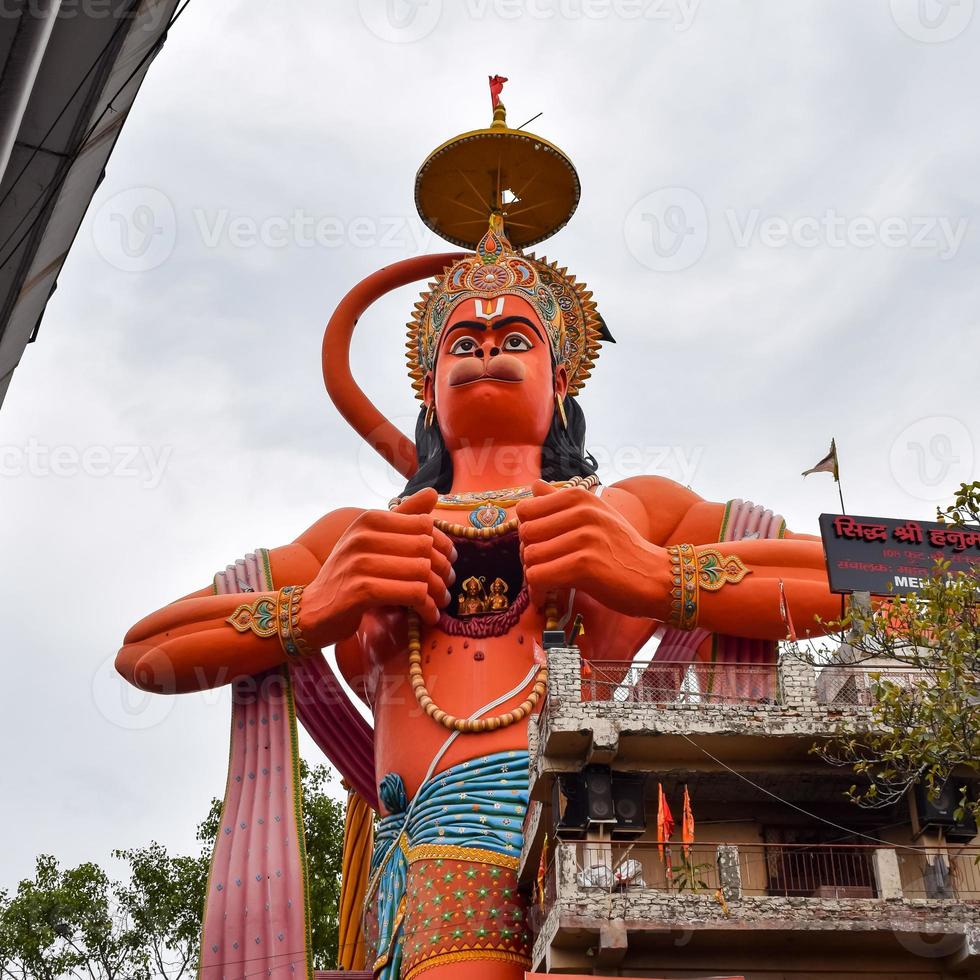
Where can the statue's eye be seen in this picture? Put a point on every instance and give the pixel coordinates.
(515, 342)
(465, 345)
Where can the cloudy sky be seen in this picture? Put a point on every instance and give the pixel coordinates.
(779, 220)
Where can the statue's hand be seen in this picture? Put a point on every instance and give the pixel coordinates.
(385, 558)
(572, 539)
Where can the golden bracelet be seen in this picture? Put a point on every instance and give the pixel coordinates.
(690, 572)
(684, 587)
(275, 616)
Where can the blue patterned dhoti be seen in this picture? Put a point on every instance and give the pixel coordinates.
(444, 870)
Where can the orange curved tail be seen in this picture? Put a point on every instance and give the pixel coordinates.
(344, 391)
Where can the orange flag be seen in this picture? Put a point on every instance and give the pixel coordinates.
(542, 870)
(496, 87)
(687, 826)
(785, 613)
(665, 820)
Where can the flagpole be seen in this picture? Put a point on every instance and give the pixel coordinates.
(840, 488)
(843, 510)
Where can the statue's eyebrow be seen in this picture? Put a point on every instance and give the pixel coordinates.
(504, 322)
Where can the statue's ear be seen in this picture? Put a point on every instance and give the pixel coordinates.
(428, 390)
(561, 381)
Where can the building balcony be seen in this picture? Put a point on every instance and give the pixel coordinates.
(606, 711)
(747, 908)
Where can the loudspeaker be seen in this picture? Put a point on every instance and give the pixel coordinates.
(569, 806)
(628, 802)
(939, 814)
(598, 785)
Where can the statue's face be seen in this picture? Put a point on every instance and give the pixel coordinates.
(494, 378)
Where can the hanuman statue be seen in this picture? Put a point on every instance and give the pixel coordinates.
(500, 490)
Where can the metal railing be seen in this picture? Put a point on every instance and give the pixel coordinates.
(620, 866)
(808, 871)
(947, 873)
(625, 682)
(840, 871)
(860, 685)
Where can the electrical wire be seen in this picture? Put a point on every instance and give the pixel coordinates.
(48, 194)
(813, 816)
(39, 144)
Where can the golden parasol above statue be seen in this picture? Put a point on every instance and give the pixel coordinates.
(530, 182)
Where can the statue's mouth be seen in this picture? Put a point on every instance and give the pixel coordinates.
(484, 377)
(504, 368)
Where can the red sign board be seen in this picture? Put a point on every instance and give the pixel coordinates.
(885, 556)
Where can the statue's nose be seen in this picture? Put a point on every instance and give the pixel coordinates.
(494, 351)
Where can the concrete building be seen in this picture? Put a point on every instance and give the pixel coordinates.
(787, 878)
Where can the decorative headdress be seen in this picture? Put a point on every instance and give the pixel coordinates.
(473, 174)
(496, 269)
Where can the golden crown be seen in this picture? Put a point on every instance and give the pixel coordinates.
(496, 269)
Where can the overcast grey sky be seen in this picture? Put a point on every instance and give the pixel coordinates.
(778, 219)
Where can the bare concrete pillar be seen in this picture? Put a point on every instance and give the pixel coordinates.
(613, 942)
(729, 872)
(566, 871)
(887, 873)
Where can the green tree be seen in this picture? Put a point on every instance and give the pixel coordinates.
(164, 899)
(77, 923)
(323, 818)
(925, 728)
(67, 923)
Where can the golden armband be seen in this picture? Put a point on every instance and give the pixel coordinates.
(693, 570)
(274, 616)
